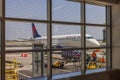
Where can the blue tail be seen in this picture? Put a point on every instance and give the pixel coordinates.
(35, 33)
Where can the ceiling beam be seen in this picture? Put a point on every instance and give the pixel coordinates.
(103, 2)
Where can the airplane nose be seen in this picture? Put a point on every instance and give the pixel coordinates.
(94, 43)
(97, 43)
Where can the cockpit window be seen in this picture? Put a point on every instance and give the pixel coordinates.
(89, 37)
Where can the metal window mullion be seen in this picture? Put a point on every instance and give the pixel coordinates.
(49, 39)
(108, 38)
(83, 39)
(3, 42)
(55, 22)
(44, 21)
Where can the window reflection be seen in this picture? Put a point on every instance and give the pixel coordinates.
(95, 14)
(66, 10)
(66, 60)
(66, 35)
(95, 59)
(27, 9)
(97, 36)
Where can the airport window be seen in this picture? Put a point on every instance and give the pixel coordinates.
(96, 59)
(19, 37)
(46, 44)
(23, 30)
(68, 34)
(95, 14)
(69, 10)
(26, 9)
(95, 33)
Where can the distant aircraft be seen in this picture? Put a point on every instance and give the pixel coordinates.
(70, 40)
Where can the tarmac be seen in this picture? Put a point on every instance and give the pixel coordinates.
(26, 71)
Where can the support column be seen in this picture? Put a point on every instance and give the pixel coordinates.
(116, 36)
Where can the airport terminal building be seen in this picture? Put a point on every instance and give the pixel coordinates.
(59, 39)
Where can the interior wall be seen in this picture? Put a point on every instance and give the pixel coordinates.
(116, 36)
(0, 8)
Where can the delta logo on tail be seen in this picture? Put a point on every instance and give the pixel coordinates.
(35, 33)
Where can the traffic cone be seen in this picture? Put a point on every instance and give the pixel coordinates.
(24, 55)
(103, 60)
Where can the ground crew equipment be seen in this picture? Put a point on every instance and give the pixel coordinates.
(11, 71)
(57, 64)
(93, 65)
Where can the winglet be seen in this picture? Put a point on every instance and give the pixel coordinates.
(35, 33)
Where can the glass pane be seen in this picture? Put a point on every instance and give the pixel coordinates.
(66, 61)
(66, 36)
(95, 36)
(29, 9)
(24, 31)
(95, 14)
(29, 64)
(66, 10)
(95, 60)
(0, 8)
(26, 36)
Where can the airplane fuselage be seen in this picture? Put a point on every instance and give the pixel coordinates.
(72, 40)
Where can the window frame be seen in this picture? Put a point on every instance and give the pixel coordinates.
(49, 21)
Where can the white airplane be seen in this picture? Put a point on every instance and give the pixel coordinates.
(71, 40)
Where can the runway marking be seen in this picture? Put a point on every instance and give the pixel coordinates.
(24, 75)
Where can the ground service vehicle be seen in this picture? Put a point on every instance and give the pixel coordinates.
(57, 64)
(71, 55)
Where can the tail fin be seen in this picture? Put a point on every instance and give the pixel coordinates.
(35, 33)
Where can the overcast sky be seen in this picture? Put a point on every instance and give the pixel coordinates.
(62, 11)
